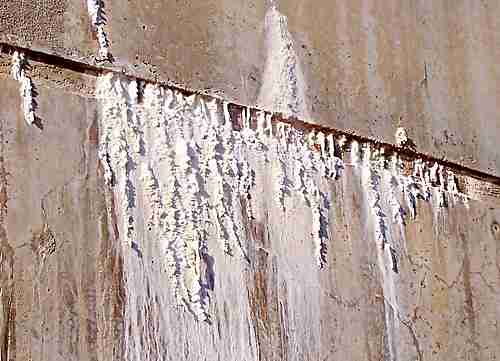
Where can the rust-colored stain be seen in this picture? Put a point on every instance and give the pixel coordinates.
(112, 280)
(268, 311)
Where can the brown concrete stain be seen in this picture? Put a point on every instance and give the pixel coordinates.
(111, 283)
(268, 305)
(7, 301)
(469, 309)
(111, 280)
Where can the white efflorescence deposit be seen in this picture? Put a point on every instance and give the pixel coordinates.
(284, 84)
(183, 168)
(95, 9)
(18, 71)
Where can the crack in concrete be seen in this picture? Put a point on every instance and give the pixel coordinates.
(409, 325)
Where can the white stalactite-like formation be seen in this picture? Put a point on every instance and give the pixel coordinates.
(26, 91)
(181, 170)
(95, 9)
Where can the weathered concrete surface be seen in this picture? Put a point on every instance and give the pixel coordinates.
(90, 268)
(66, 270)
(430, 66)
(75, 288)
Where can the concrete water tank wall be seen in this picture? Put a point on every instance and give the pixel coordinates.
(141, 222)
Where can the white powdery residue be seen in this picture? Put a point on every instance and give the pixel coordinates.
(113, 146)
(18, 72)
(281, 135)
(333, 165)
(422, 176)
(261, 125)
(418, 169)
(279, 152)
(116, 154)
(208, 146)
(149, 180)
(18, 64)
(227, 116)
(451, 182)
(320, 202)
(269, 125)
(442, 201)
(245, 181)
(135, 114)
(316, 153)
(174, 220)
(320, 206)
(308, 167)
(434, 173)
(209, 175)
(296, 160)
(416, 186)
(104, 92)
(412, 193)
(452, 188)
(371, 182)
(105, 162)
(195, 203)
(397, 210)
(354, 152)
(283, 88)
(401, 137)
(229, 219)
(319, 227)
(176, 214)
(95, 9)
(330, 144)
(186, 240)
(321, 141)
(213, 165)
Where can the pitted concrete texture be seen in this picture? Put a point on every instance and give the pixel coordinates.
(60, 27)
(428, 66)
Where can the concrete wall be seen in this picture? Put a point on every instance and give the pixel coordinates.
(243, 245)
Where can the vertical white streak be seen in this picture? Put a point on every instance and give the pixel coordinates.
(397, 210)
(95, 9)
(18, 71)
(284, 85)
(371, 179)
